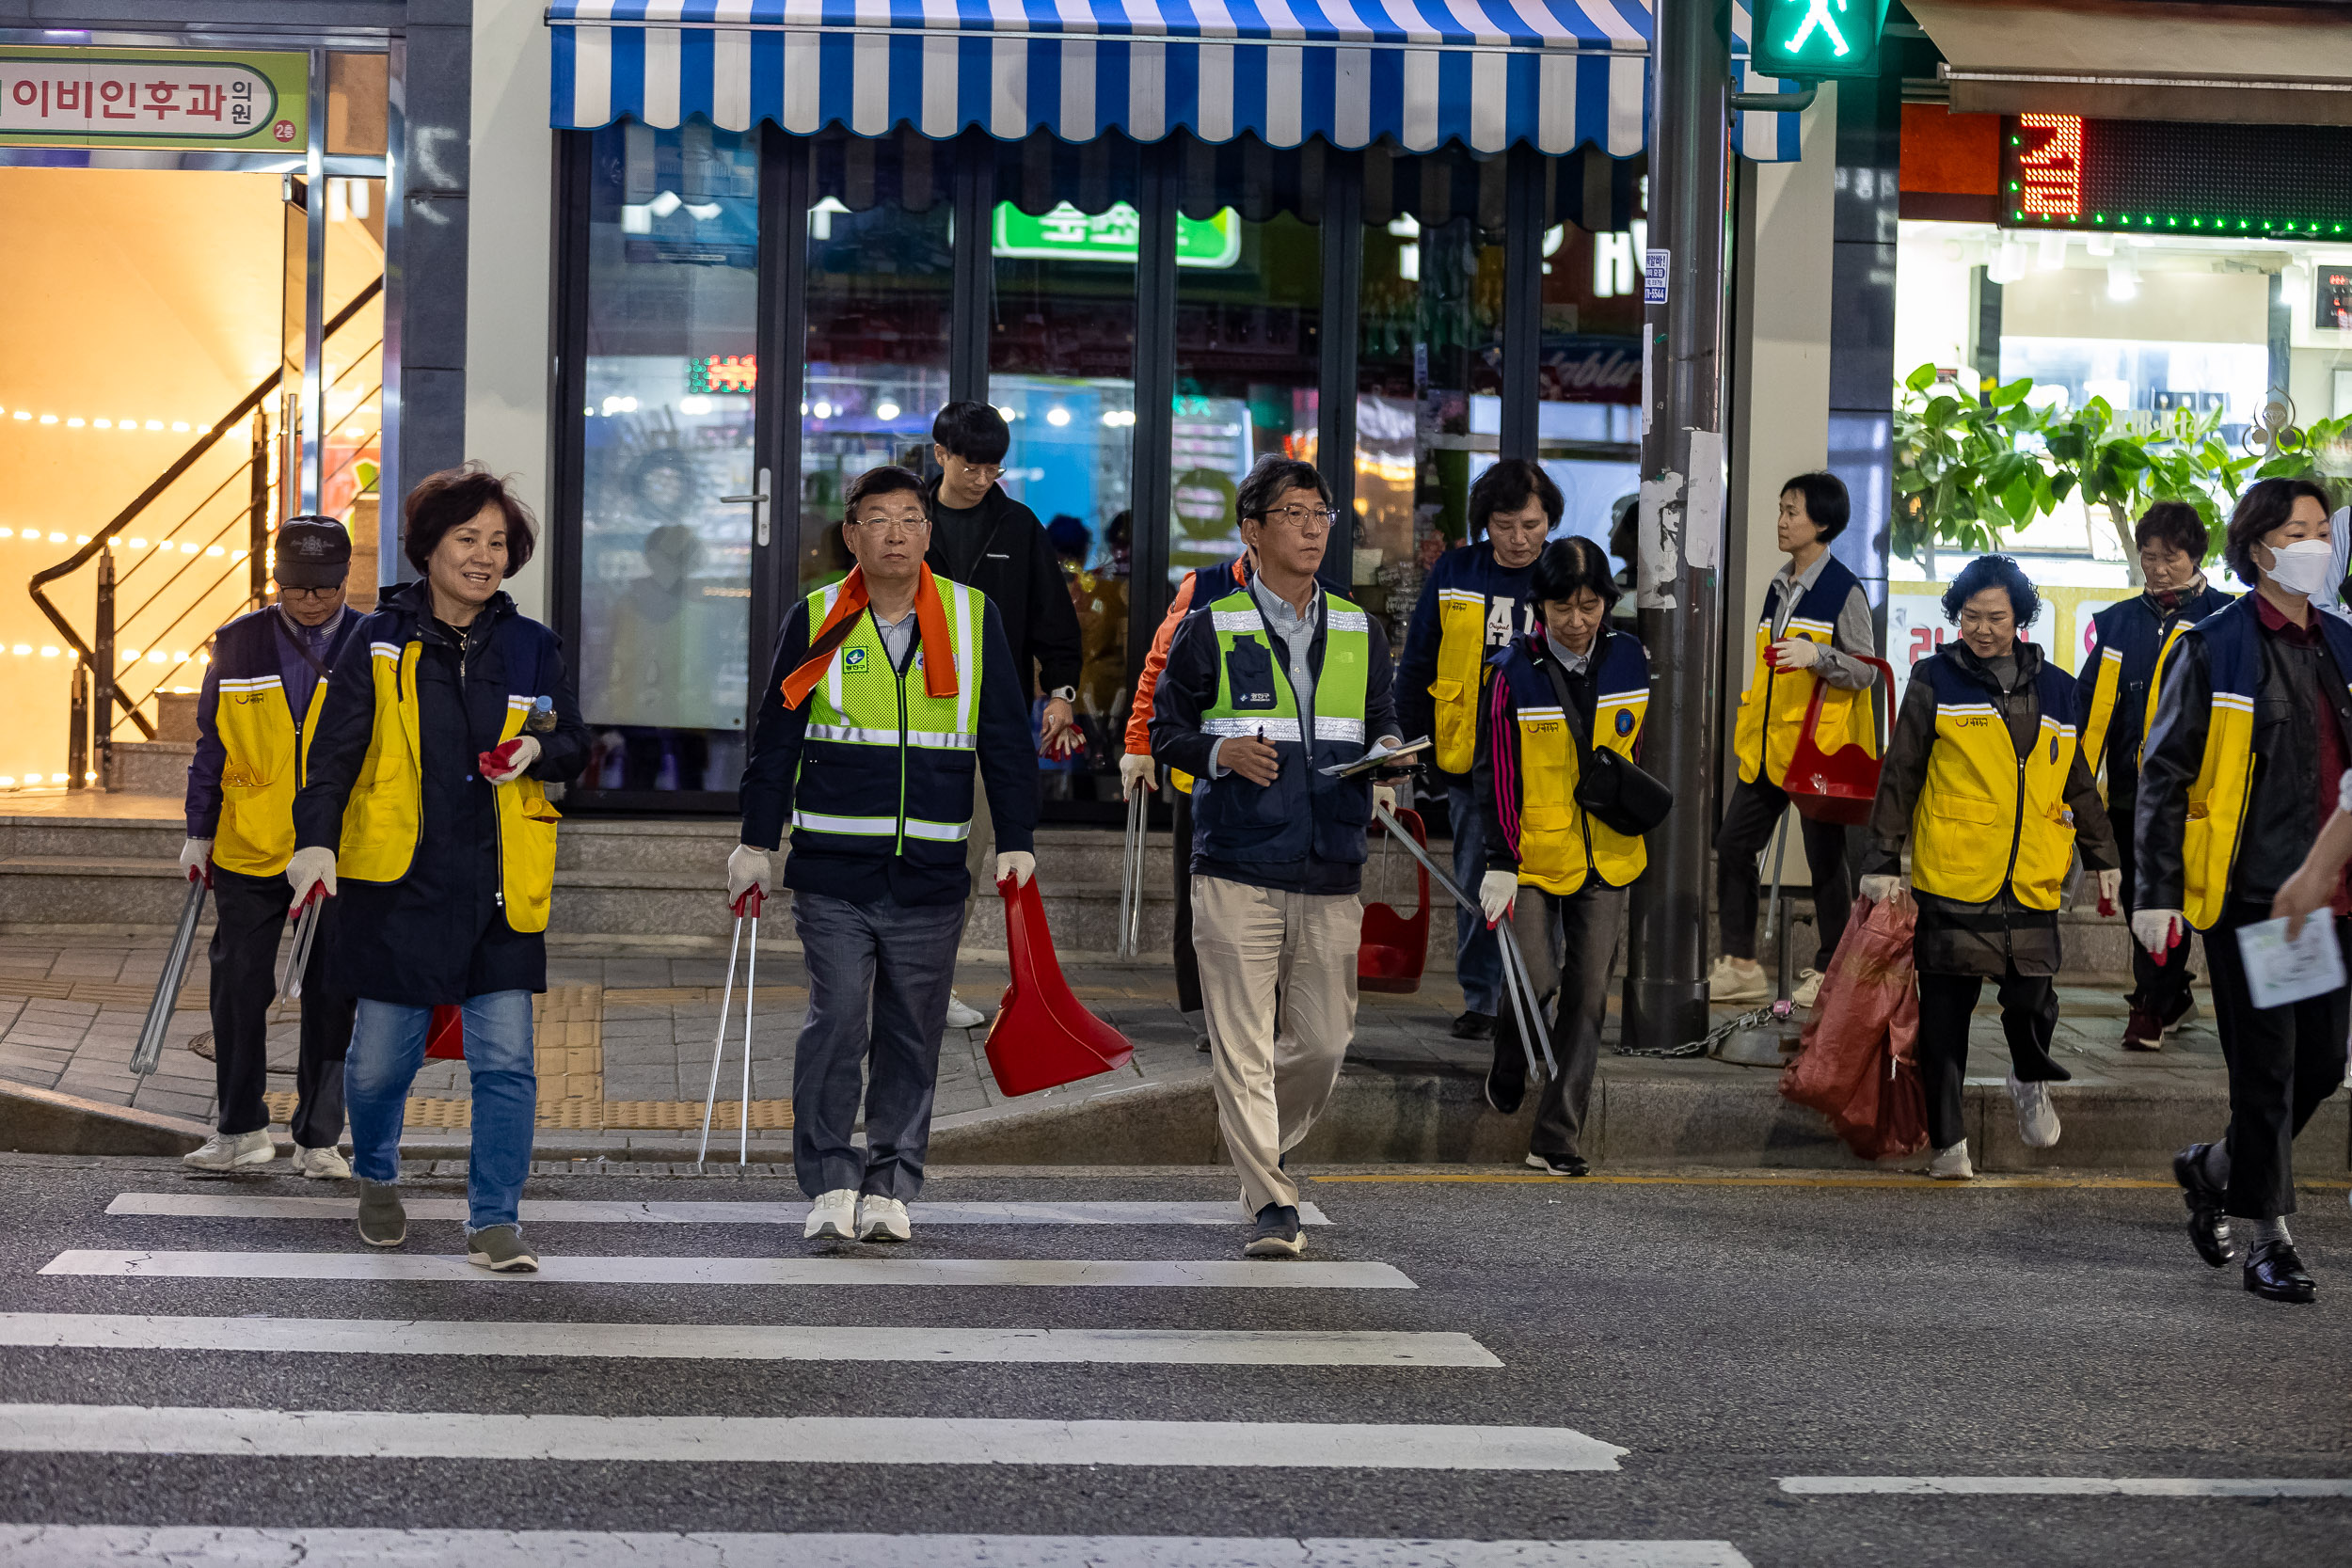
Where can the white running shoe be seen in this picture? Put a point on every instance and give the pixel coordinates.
(882, 1219)
(229, 1150)
(2037, 1118)
(832, 1217)
(1809, 988)
(1737, 980)
(321, 1164)
(1952, 1165)
(962, 1015)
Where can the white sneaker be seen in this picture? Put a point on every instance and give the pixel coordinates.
(2037, 1118)
(962, 1015)
(321, 1163)
(1952, 1165)
(229, 1150)
(1809, 988)
(882, 1219)
(1737, 980)
(832, 1217)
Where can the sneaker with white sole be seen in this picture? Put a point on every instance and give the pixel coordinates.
(501, 1249)
(2037, 1118)
(882, 1219)
(1809, 988)
(321, 1164)
(1737, 980)
(832, 1217)
(383, 1220)
(962, 1015)
(1952, 1164)
(232, 1150)
(1278, 1233)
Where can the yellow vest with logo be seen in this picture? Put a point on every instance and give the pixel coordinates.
(263, 768)
(1986, 817)
(1560, 846)
(1773, 710)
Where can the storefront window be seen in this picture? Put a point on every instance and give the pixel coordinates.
(1588, 415)
(665, 562)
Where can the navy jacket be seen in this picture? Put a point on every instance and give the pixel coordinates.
(1472, 569)
(2134, 630)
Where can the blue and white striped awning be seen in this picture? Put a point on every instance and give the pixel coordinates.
(1554, 74)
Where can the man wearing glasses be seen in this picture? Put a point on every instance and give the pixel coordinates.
(1268, 688)
(983, 538)
(258, 710)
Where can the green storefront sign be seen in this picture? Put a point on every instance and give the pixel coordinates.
(1067, 235)
(175, 98)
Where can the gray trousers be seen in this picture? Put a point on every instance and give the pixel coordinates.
(878, 980)
(1571, 948)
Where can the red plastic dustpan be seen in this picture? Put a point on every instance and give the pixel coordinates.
(1839, 786)
(1042, 1036)
(445, 1038)
(1394, 948)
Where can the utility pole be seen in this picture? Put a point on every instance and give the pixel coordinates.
(1682, 513)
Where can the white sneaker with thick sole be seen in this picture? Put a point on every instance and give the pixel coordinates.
(832, 1217)
(962, 1015)
(2037, 1118)
(882, 1219)
(1952, 1164)
(229, 1150)
(1809, 988)
(321, 1164)
(1736, 980)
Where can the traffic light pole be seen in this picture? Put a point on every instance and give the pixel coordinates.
(1681, 515)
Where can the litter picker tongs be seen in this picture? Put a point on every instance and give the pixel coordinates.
(149, 1053)
(746, 907)
(1131, 872)
(298, 956)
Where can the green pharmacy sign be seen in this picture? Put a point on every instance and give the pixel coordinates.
(1805, 39)
(1115, 234)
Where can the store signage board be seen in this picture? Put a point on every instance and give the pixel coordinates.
(175, 98)
(2196, 178)
(1114, 234)
(1807, 41)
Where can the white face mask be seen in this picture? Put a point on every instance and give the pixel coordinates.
(2303, 567)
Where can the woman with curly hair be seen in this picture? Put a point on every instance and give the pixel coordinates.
(1985, 782)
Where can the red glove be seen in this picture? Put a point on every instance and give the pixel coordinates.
(499, 758)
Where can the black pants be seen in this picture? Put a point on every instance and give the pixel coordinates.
(2156, 988)
(2030, 1013)
(2284, 1062)
(251, 916)
(1749, 817)
(1187, 962)
(1571, 945)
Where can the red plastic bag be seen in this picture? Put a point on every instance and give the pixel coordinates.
(1857, 1067)
(1041, 1038)
(1393, 948)
(445, 1037)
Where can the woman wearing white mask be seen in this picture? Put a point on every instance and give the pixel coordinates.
(2251, 736)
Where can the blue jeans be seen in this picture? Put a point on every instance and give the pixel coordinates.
(1477, 955)
(388, 1047)
(878, 980)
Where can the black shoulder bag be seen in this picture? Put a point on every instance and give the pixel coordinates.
(1609, 787)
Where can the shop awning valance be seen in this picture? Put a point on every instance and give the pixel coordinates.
(1554, 74)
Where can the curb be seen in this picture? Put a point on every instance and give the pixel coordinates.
(43, 1121)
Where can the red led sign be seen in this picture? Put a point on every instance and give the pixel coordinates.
(2050, 165)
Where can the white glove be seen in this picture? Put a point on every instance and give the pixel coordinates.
(195, 859)
(1383, 797)
(2110, 890)
(310, 868)
(525, 754)
(2159, 931)
(749, 868)
(1796, 653)
(1879, 889)
(1497, 892)
(1136, 769)
(1017, 863)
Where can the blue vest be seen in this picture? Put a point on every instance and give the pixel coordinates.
(2111, 693)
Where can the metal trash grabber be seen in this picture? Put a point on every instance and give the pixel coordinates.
(746, 907)
(149, 1053)
(1515, 975)
(1130, 941)
(1528, 1026)
(305, 933)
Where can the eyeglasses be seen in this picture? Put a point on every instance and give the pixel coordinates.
(986, 470)
(310, 593)
(1306, 519)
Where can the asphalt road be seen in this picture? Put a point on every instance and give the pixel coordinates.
(1724, 1335)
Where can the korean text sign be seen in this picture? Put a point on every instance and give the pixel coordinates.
(152, 98)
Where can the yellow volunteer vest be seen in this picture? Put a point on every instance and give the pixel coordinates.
(1987, 817)
(1773, 709)
(262, 769)
(1560, 846)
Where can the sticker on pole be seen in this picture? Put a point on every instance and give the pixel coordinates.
(1654, 266)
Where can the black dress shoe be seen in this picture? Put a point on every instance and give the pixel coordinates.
(1506, 1081)
(2208, 1227)
(2275, 1270)
(1474, 1026)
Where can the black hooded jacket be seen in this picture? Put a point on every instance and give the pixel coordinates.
(1009, 559)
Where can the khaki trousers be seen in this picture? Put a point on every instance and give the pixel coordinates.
(980, 850)
(1274, 1076)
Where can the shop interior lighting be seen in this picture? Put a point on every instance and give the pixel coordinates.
(693, 405)
(2100, 243)
(1058, 417)
(825, 409)
(2122, 278)
(2053, 256)
(1009, 413)
(885, 410)
(664, 204)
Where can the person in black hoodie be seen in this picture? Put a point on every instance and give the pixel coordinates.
(984, 539)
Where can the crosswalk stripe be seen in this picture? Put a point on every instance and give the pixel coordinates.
(560, 1270)
(2062, 1486)
(138, 1547)
(225, 1206)
(746, 1342)
(830, 1440)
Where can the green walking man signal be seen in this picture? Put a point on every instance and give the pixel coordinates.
(1810, 40)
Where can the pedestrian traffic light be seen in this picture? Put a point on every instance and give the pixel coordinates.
(1801, 40)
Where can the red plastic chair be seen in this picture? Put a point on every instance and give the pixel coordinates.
(1839, 786)
(1041, 1038)
(1394, 948)
(445, 1038)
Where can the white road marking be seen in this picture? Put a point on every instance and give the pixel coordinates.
(829, 1440)
(2061, 1486)
(749, 1342)
(562, 1270)
(78, 1545)
(229, 1206)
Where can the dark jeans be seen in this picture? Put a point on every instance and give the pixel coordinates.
(2284, 1062)
(1749, 817)
(1477, 956)
(250, 915)
(2156, 988)
(1187, 961)
(878, 980)
(2030, 1013)
(1571, 949)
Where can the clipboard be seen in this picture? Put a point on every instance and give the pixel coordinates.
(1374, 760)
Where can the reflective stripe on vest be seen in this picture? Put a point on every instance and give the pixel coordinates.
(1987, 817)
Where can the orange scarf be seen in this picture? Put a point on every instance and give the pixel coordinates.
(931, 630)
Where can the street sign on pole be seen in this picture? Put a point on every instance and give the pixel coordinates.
(1812, 39)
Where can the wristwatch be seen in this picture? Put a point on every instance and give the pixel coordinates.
(1065, 694)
